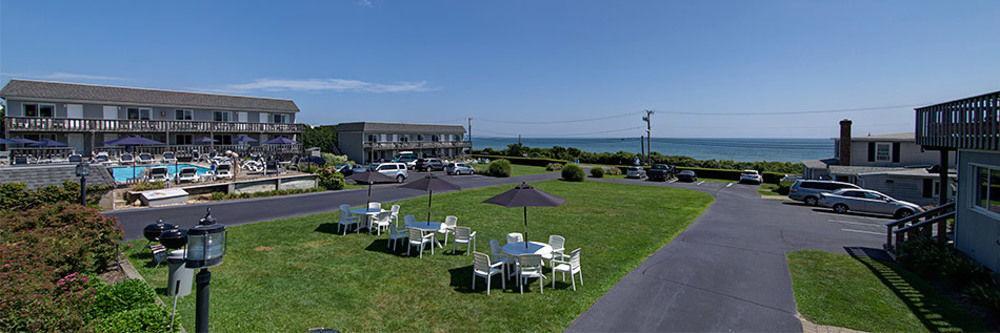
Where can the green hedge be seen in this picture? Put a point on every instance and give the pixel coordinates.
(542, 162)
(730, 174)
(499, 168)
(573, 172)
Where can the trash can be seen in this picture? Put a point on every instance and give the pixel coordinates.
(178, 277)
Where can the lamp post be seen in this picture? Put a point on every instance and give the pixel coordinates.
(82, 171)
(206, 246)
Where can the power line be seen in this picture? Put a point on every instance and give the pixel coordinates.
(778, 113)
(549, 122)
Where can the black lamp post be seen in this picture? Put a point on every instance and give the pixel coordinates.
(82, 171)
(205, 247)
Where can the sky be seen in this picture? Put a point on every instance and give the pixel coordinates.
(733, 69)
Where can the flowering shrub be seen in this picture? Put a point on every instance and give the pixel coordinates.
(330, 179)
(17, 196)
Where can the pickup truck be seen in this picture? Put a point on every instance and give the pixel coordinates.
(660, 173)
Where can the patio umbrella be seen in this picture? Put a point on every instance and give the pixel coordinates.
(22, 141)
(370, 177)
(5, 141)
(525, 196)
(243, 139)
(131, 141)
(430, 184)
(49, 143)
(280, 141)
(205, 140)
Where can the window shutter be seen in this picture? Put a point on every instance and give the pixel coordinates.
(928, 188)
(871, 152)
(895, 152)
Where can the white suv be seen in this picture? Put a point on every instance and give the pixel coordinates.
(751, 177)
(394, 170)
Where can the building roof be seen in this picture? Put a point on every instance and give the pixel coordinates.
(912, 172)
(399, 128)
(26, 89)
(902, 137)
(853, 170)
(820, 164)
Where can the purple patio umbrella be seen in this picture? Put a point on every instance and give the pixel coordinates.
(22, 141)
(48, 143)
(280, 141)
(205, 140)
(430, 184)
(525, 196)
(243, 139)
(131, 141)
(370, 177)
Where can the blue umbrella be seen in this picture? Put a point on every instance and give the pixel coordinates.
(22, 141)
(133, 141)
(205, 140)
(242, 139)
(49, 143)
(280, 141)
(5, 141)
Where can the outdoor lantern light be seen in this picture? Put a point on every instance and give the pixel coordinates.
(82, 171)
(206, 244)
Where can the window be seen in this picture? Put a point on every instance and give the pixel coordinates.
(404, 138)
(883, 152)
(420, 137)
(183, 139)
(221, 116)
(435, 138)
(138, 113)
(873, 196)
(988, 188)
(183, 115)
(39, 110)
(281, 119)
(372, 138)
(223, 139)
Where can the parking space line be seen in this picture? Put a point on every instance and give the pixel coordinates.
(856, 223)
(730, 184)
(856, 216)
(864, 232)
(699, 183)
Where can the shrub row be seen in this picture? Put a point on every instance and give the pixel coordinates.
(532, 161)
(940, 262)
(230, 196)
(17, 196)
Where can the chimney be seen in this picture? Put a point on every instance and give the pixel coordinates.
(844, 144)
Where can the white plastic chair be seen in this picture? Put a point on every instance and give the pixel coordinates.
(346, 218)
(558, 244)
(530, 266)
(515, 237)
(395, 235)
(483, 267)
(464, 235)
(501, 257)
(395, 214)
(380, 222)
(448, 227)
(571, 266)
(374, 205)
(417, 238)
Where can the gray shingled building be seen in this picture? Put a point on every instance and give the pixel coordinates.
(365, 142)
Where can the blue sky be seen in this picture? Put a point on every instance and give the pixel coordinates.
(530, 61)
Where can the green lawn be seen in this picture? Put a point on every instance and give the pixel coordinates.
(294, 274)
(515, 170)
(768, 189)
(870, 295)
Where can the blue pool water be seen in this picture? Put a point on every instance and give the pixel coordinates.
(124, 173)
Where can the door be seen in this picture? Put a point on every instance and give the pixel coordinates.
(74, 111)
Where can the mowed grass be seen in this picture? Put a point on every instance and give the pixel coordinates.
(870, 295)
(294, 274)
(515, 170)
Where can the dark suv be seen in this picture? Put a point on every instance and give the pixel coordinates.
(660, 173)
(430, 164)
(808, 190)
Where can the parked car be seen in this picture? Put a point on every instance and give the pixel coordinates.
(808, 191)
(751, 177)
(429, 164)
(392, 169)
(661, 172)
(345, 169)
(687, 176)
(867, 201)
(635, 172)
(408, 158)
(459, 169)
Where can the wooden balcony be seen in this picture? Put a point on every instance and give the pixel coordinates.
(22, 124)
(969, 123)
(416, 145)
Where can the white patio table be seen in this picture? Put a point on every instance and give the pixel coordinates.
(368, 214)
(518, 249)
(426, 227)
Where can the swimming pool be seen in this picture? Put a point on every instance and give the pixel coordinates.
(124, 173)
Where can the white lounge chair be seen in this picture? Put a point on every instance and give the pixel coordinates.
(464, 235)
(169, 157)
(530, 266)
(188, 174)
(126, 159)
(483, 267)
(417, 238)
(380, 222)
(157, 174)
(75, 158)
(145, 158)
(102, 158)
(4, 157)
(224, 171)
(567, 264)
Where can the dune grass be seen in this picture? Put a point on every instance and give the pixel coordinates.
(298, 273)
(865, 294)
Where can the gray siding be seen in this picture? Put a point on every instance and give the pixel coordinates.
(352, 145)
(909, 154)
(906, 188)
(977, 232)
(96, 111)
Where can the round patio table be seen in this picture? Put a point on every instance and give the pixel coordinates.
(368, 213)
(426, 227)
(518, 249)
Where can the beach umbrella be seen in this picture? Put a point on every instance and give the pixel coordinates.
(370, 177)
(280, 141)
(131, 141)
(6, 142)
(205, 140)
(430, 184)
(49, 143)
(22, 141)
(525, 196)
(243, 139)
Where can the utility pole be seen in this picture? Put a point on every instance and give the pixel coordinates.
(470, 135)
(649, 128)
(518, 139)
(642, 145)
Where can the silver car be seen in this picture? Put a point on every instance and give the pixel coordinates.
(635, 172)
(808, 191)
(867, 201)
(459, 169)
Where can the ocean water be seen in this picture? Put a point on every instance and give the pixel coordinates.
(746, 150)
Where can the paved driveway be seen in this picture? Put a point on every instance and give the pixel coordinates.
(235, 212)
(727, 271)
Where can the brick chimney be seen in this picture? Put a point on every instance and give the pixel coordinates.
(844, 143)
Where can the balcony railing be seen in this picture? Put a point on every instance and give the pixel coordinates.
(970, 123)
(23, 124)
(417, 145)
(63, 152)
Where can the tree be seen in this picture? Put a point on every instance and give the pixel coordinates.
(324, 137)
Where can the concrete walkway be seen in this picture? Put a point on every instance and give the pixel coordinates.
(235, 212)
(727, 272)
